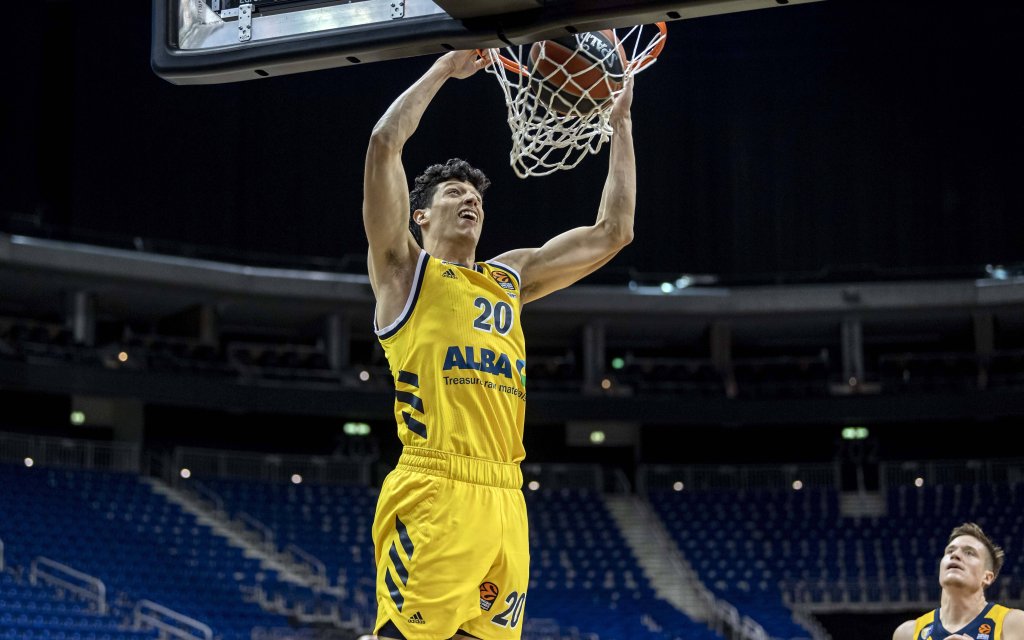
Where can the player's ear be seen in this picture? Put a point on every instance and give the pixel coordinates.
(987, 578)
(421, 216)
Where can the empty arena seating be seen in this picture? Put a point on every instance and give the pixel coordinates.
(584, 580)
(38, 612)
(113, 527)
(935, 510)
(748, 545)
(583, 574)
(752, 548)
(331, 522)
(742, 544)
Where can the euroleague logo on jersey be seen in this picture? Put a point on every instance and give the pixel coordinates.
(503, 279)
(488, 594)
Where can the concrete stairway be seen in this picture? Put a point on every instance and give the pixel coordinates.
(672, 578)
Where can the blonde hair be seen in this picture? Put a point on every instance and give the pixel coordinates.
(996, 554)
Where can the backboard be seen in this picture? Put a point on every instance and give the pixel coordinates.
(219, 41)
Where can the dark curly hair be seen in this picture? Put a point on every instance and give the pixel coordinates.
(422, 193)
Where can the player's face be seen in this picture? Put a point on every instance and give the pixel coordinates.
(457, 209)
(965, 564)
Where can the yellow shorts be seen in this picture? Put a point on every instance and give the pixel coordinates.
(452, 547)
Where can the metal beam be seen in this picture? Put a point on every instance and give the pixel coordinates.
(192, 44)
(93, 266)
(468, 9)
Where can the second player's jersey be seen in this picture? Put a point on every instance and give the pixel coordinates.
(458, 358)
(988, 625)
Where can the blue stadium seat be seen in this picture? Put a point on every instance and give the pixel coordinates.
(799, 535)
(114, 527)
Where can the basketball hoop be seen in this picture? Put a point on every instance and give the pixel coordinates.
(557, 121)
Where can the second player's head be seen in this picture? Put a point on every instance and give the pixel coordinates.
(971, 560)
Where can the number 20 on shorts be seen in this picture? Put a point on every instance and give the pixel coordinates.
(513, 613)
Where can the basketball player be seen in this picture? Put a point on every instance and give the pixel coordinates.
(450, 530)
(969, 565)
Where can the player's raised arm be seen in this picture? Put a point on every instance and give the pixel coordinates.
(579, 252)
(393, 251)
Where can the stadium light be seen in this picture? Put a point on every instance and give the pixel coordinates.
(678, 486)
(356, 429)
(534, 485)
(185, 473)
(29, 462)
(364, 375)
(596, 437)
(855, 433)
(296, 478)
(919, 482)
(618, 363)
(77, 418)
(998, 272)
(797, 485)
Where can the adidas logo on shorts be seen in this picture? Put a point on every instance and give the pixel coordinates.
(417, 618)
(449, 274)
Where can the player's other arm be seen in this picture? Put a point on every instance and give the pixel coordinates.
(905, 631)
(579, 252)
(393, 251)
(1013, 625)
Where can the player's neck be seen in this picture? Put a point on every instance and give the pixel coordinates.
(458, 252)
(960, 607)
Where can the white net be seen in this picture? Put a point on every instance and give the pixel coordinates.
(560, 92)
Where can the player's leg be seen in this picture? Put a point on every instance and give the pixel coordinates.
(503, 590)
(429, 558)
(400, 527)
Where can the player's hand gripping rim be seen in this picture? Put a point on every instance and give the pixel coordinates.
(463, 64)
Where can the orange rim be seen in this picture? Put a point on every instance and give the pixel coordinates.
(508, 63)
(633, 65)
(648, 59)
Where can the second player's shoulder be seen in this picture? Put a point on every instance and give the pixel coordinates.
(1013, 625)
(905, 631)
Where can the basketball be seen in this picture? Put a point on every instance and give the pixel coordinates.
(577, 73)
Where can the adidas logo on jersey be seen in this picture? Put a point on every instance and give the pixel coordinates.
(449, 274)
(417, 618)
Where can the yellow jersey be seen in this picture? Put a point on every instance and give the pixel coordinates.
(988, 625)
(458, 357)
